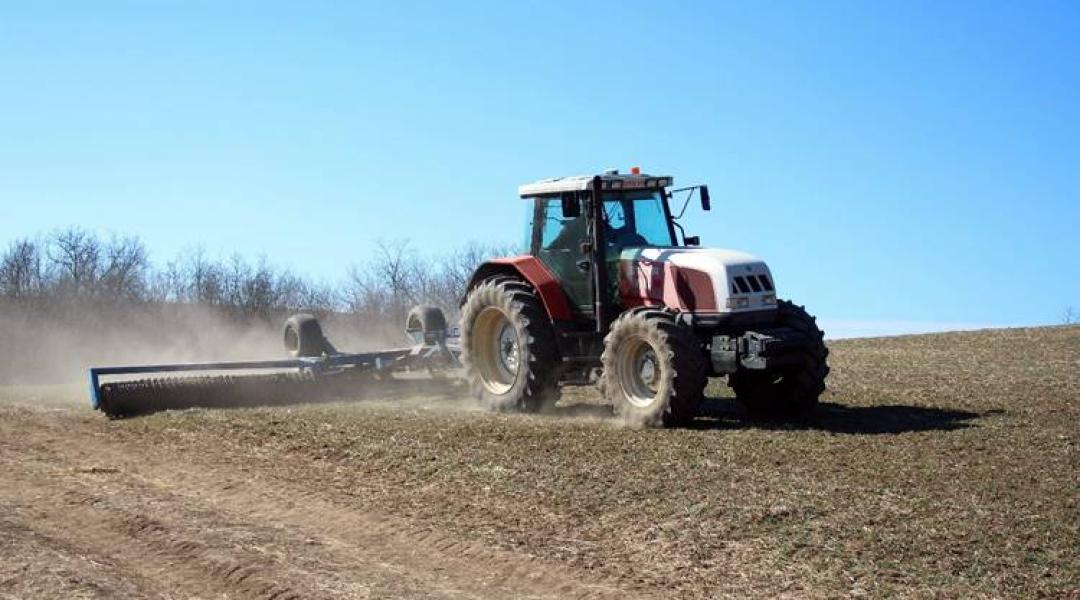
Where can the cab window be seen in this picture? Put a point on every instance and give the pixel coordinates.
(559, 232)
(560, 249)
(636, 219)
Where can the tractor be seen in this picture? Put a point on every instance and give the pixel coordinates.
(612, 292)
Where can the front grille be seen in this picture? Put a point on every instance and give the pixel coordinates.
(751, 283)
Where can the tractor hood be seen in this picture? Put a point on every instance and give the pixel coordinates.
(699, 280)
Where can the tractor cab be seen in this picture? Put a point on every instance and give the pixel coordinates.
(569, 233)
(635, 211)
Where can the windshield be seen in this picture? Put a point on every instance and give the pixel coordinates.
(637, 219)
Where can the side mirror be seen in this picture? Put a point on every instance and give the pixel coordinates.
(571, 206)
(705, 203)
(692, 240)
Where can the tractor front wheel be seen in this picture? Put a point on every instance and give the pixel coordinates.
(508, 344)
(791, 391)
(654, 371)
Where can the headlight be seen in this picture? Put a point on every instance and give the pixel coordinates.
(768, 299)
(738, 303)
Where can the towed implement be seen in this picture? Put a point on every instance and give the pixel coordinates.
(315, 371)
(610, 291)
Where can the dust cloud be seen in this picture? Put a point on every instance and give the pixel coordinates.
(46, 353)
(57, 346)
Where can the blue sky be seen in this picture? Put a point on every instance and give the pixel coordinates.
(901, 166)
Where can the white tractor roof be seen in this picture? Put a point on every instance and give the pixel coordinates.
(610, 180)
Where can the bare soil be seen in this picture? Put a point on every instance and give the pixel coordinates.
(939, 466)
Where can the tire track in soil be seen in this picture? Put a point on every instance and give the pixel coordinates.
(167, 562)
(39, 566)
(458, 566)
(182, 544)
(422, 562)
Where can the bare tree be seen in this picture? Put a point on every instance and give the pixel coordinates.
(236, 273)
(124, 269)
(290, 291)
(167, 285)
(1069, 316)
(378, 293)
(205, 279)
(76, 265)
(258, 291)
(363, 294)
(457, 266)
(381, 290)
(395, 268)
(75, 256)
(319, 298)
(20, 270)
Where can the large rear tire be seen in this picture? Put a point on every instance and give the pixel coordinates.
(654, 371)
(508, 343)
(790, 391)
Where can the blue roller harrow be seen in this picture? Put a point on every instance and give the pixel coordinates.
(315, 372)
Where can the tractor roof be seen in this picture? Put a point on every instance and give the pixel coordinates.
(611, 180)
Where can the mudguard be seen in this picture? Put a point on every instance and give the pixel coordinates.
(532, 270)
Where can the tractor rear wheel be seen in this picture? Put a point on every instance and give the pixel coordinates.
(790, 391)
(508, 344)
(654, 371)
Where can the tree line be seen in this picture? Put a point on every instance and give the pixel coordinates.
(77, 266)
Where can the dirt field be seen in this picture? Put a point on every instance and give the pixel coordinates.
(940, 466)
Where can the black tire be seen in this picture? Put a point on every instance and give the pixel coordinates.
(792, 391)
(304, 337)
(425, 323)
(428, 319)
(654, 370)
(508, 346)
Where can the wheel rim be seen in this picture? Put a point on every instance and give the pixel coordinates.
(638, 371)
(496, 350)
(292, 340)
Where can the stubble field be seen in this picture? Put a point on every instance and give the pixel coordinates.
(939, 466)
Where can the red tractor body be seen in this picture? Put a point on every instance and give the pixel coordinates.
(615, 297)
